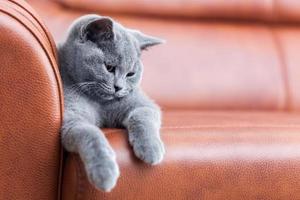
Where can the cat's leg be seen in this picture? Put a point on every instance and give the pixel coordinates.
(81, 135)
(143, 126)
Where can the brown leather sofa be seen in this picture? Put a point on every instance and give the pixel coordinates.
(227, 81)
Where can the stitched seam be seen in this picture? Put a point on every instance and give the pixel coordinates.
(79, 176)
(284, 69)
(47, 54)
(60, 173)
(46, 32)
(32, 20)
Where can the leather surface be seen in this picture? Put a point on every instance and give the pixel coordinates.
(209, 65)
(259, 10)
(30, 107)
(219, 65)
(209, 155)
(288, 45)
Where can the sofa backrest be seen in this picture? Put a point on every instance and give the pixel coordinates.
(217, 63)
(264, 10)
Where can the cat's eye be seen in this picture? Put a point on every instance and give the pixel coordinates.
(130, 74)
(110, 68)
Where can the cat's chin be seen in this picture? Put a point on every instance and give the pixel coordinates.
(113, 97)
(100, 96)
(106, 97)
(119, 95)
(110, 96)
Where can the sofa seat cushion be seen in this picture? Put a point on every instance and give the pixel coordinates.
(209, 155)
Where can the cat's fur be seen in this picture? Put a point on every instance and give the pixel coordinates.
(95, 97)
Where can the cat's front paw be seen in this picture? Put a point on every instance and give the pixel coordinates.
(150, 150)
(104, 174)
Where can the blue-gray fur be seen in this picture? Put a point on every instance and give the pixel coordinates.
(101, 71)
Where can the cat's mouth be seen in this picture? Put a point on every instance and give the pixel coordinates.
(110, 95)
(121, 94)
(103, 91)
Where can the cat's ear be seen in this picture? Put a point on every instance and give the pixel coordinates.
(146, 41)
(98, 30)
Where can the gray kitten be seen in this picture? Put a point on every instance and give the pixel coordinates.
(101, 70)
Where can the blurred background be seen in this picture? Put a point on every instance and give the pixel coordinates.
(220, 54)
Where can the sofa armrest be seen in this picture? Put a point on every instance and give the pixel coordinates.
(30, 106)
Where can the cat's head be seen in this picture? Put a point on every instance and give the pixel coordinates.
(103, 57)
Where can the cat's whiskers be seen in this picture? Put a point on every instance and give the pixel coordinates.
(81, 85)
(105, 86)
(80, 88)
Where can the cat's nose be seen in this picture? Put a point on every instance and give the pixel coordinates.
(117, 88)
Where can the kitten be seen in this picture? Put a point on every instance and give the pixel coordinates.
(101, 70)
